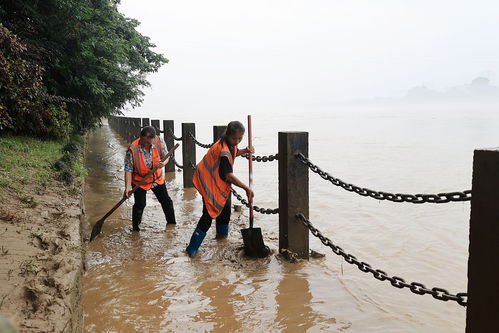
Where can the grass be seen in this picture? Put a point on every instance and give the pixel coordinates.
(26, 162)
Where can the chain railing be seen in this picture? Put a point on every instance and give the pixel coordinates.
(173, 135)
(415, 287)
(268, 158)
(397, 197)
(256, 208)
(176, 163)
(203, 145)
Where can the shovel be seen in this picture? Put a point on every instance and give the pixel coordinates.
(98, 225)
(252, 237)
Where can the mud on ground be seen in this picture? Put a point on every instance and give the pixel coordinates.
(41, 260)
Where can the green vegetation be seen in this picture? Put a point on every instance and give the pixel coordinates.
(66, 64)
(28, 164)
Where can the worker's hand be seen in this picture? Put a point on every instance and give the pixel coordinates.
(250, 149)
(165, 162)
(249, 193)
(126, 193)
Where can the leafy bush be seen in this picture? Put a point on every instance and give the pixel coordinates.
(68, 165)
(24, 105)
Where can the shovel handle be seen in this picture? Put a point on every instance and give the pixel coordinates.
(250, 168)
(98, 225)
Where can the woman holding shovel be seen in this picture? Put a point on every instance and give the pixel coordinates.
(213, 178)
(145, 153)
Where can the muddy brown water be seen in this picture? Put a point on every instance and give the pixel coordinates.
(144, 282)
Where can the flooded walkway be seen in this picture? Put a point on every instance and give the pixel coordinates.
(144, 282)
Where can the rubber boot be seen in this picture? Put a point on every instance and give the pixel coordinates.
(222, 231)
(136, 218)
(196, 240)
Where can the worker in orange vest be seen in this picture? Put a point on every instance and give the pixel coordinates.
(213, 179)
(145, 153)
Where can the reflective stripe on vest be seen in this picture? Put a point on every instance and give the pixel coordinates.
(140, 168)
(206, 179)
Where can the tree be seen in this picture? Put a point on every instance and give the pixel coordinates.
(91, 53)
(24, 106)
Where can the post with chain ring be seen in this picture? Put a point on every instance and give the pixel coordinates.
(128, 130)
(483, 268)
(155, 124)
(293, 194)
(218, 131)
(170, 142)
(188, 152)
(122, 128)
(135, 129)
(119, 125)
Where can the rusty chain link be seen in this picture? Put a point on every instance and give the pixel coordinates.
(256, 208)
(398, 197)
(398, 282)
(269, 158)
(173, 135)
(203, 145)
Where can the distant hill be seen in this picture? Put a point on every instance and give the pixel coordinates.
(479, 90)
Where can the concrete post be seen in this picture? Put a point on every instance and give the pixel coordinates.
(170, 142)
(483, 271)
(293, 194)
(155, 124)
(137, 122)
(123, 127)
(127, 130)
(188, 152)
(218, 131)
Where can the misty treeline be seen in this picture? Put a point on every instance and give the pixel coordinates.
(66, 64)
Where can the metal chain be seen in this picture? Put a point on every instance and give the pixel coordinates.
(269, 158)
(245, 202)
(203, 145)
(397, 197)
(173, 135)
(415, 287)
(176, 163)
(256, 208)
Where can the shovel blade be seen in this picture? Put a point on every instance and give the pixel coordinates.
(96, 229)
(253, 243)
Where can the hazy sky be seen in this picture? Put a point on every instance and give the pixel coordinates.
(276, 54)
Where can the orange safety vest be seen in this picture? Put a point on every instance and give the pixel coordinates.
(140, 169)
(206, 179)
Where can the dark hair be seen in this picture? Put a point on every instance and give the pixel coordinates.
(148, 131)
(232, 128)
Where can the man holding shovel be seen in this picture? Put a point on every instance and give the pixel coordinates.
(145, 153)
(213, 178)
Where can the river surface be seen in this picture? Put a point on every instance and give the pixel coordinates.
(144, 282)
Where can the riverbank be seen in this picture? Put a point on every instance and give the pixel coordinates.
(41, 251)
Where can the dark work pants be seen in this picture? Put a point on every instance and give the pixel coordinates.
(164, 199)
(205, 220)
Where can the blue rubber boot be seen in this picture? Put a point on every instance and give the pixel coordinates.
(196, 240)
(222, 230)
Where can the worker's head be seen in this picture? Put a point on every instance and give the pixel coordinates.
(234, 133)
(147, 135)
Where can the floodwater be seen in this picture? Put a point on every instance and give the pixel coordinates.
(144, 282)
